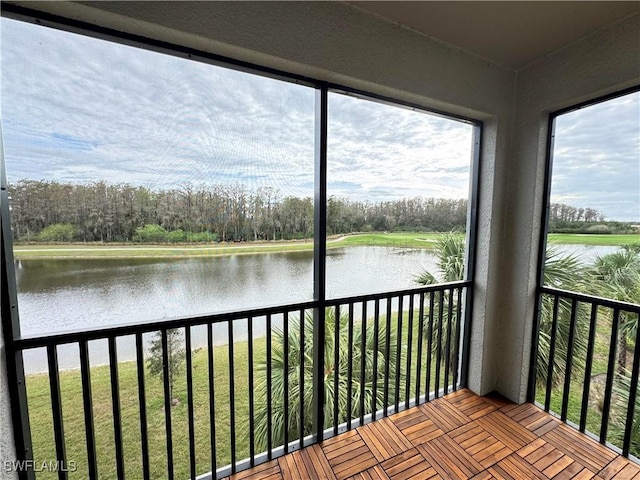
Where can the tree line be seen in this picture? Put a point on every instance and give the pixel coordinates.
(51, 211)
(100, 211)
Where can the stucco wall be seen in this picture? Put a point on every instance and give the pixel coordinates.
(7, 450)
(604, 62)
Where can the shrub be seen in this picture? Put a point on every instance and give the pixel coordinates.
(58, 232)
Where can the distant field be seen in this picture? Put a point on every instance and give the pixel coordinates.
(396, 239)
(588, 239)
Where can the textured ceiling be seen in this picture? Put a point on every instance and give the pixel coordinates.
(512, 34)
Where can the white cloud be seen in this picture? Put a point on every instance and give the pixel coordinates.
(596, 161)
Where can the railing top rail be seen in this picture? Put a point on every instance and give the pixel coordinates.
(583, 297)
(37, 341)
(416, 290)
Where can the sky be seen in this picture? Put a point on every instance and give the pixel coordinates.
(76, 109)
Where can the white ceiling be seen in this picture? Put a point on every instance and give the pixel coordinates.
(512, 34)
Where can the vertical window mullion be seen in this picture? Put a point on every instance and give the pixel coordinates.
(320, 257)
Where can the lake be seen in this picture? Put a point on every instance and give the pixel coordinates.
(71, 294)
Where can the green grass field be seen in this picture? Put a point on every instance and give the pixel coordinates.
(602, 240)
(396, 239)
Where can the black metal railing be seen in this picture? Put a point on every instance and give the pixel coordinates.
(587, 365)
(237, 389)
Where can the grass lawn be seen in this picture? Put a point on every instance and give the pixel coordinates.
(380, 239)
(601, 240)
(71, 391)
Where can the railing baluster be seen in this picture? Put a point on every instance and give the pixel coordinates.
(363, 358)
(552, 352)
(588, 366)
(606, 406)
(212, 398)
(350, 366)
(301, 381)
(396, 395)
(456, 344)
(252, 448)
(115, 398)
(285, 320)
(447, 363)
(232, 396)
(190, 408)
(409, 352)
(439, 344)
(142, 403)
(569, 362)
(429, 345)
(167, 402)
(87, 400)
(336, 369)
(387, 352)
(56, 409)
(376, 345)
(420, 339)
(269, 393)
(633, 391)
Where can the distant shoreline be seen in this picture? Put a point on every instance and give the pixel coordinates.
(399, 239)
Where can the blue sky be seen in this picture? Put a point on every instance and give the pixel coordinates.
(81, 110)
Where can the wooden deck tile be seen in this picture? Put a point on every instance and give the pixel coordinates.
(515, 467)
(409, 465)
(575, 471)
(483, 476)
(480, 444)
(459, 436)
(316, 463)
(498, 400)
(449, 459)
(444, 415)
(470, 404)
(350, 458)
(416, 426)
(620, 468)
(510, 433)
(270, 470)
(532, 418)
(580, 447)
(384, 439)
(373, 473)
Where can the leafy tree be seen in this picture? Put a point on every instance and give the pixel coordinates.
(296, 349)
(175, 354)
(150, 234)
(58, 232)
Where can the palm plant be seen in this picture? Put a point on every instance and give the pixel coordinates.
(449, 249)
(622, 390)
(563, 271)
(296, 351)
(617, 277)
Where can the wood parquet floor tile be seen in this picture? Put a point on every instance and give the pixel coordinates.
(459, 436)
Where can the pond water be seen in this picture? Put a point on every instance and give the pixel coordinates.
(64, 295)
